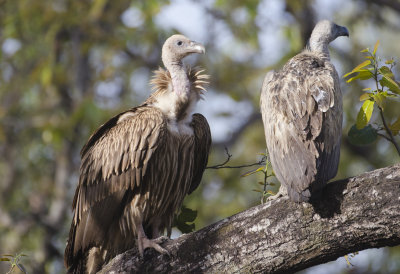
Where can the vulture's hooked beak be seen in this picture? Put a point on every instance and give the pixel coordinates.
(342, 31)
(196, 47)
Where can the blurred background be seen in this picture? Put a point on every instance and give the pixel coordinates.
(67, 66)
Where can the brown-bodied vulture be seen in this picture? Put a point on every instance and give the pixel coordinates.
(137, 168)
(301, 107)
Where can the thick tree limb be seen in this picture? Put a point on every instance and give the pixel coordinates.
(282, 236)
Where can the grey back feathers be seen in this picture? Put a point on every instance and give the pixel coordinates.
(137, 168)
(301, 107)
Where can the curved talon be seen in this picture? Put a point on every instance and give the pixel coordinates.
(144, 243)
(160, 239)
(282, 192)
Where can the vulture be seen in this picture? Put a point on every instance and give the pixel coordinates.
(137, 167)
(301, 108)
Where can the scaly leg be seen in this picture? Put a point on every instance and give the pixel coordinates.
(144, 242)
(282, 192)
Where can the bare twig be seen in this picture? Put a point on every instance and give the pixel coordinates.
(389, 132)
(223, 165)
(384, 136)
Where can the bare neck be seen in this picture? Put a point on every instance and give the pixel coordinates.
(319, 45)
(180, 81)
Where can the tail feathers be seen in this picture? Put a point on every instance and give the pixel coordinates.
(78, 266)
(311, 193)
(299, 197)
(87, 262)
(69, 250)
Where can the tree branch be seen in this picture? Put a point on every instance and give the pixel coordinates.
(283, 237)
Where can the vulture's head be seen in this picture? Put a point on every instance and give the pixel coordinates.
(325, 32)
(177, 47)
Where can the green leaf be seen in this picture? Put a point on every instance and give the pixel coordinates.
(366, 89)
(252, 171)
(346, 257)
(388, 62)
(390, 84)
(365, 96)
(362, 75)
(187, 214)
(365, 136)
(186, 228)
(358, 68)
(365, 50)
(364, 115)
(182, 221)
(384, 70)
(4, 259)
(376, 47)
(395, 127)
(380, 99)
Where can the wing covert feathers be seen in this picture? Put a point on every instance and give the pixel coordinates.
(202, 135)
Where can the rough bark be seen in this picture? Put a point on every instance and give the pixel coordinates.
(283, 237)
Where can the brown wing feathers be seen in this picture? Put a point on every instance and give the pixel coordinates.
(203, 143)
(118, 165)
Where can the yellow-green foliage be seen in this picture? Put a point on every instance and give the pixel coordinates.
(385, 87)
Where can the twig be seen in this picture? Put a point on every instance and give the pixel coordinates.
(384, 136)
(387, 129)
(223, 165)
(389, 132)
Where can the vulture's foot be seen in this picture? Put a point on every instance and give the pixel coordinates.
(144, 242)
(281, 193)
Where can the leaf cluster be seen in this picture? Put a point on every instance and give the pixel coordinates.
(385, 88)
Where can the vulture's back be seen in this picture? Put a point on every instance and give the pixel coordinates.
(301, 107)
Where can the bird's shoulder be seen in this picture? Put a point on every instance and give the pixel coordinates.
(130, 120)
(306, 75)
(124, 144)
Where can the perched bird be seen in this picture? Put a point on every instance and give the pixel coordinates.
(137, 168)
(301, 107)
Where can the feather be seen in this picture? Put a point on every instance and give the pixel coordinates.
(135, 171)
(301, 107)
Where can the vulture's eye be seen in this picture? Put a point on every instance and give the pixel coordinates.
(179, 43)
